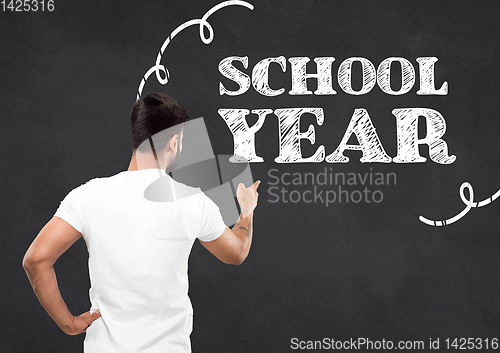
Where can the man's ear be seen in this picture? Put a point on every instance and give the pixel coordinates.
(172, 144)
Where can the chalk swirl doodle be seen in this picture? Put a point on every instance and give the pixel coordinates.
(160, 69)
(469, 203)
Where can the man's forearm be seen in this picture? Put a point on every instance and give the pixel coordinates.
(244, 231)
(44, 282)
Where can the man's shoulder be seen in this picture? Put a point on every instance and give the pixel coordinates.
(105, 179)
(97, 183)
(183, 190)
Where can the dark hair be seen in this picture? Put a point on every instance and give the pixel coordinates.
(154, 113)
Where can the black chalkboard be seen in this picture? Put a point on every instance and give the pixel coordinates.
(341, 271)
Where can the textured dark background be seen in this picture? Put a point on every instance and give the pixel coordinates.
(69, 79)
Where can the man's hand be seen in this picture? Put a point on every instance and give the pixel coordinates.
(247, 198)
(81, 323)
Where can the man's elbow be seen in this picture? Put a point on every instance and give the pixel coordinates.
(237, 259)
(31, 262)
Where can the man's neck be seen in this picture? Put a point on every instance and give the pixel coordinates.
(133, 163)
(147, 161)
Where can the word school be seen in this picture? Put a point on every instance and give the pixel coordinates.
(360, 124)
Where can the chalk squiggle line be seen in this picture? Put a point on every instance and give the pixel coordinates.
(468, 202)
(203, 24)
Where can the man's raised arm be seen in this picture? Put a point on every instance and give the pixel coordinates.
(233, 246)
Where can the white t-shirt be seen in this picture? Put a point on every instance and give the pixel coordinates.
(138, 256)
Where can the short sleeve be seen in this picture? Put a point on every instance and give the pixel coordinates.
(212, 223)
(71, 208)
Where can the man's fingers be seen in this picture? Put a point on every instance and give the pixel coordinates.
(256, 184)
(96, 314)
(91, 317)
